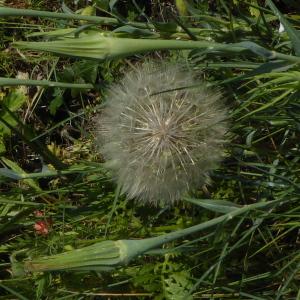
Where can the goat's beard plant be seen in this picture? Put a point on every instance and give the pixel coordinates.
(160, 136)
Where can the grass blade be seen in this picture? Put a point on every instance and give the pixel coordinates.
(292, 33)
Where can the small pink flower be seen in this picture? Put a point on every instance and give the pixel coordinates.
(41, 227)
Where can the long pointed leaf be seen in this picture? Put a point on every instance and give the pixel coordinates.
(293, 34)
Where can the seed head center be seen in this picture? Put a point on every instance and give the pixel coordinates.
(163, 131)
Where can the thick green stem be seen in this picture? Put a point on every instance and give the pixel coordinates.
(100, 47)
(49, 173)
(15, 12)
(109, 254)
(15, 82)
(170, 44)
(169, 237)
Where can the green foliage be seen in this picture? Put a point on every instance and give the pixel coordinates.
(13, 101)
(254, 255)
(164, 280)
(56, 103)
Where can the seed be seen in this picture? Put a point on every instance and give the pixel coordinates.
(161, 132)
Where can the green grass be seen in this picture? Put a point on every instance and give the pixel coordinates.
(52, 175)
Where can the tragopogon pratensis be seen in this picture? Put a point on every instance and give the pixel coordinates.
(161, 132)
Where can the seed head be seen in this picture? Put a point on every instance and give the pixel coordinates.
(159, 135)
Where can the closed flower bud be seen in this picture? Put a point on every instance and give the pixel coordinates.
(161, 132)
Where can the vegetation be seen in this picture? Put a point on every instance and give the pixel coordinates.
(66, 230)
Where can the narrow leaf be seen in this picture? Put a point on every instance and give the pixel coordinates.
(293, 34)
(220, 206)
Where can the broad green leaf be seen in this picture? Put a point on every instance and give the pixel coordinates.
(13, 101)
(55, 104)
